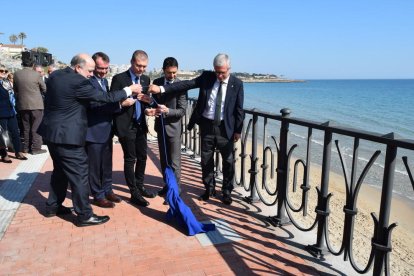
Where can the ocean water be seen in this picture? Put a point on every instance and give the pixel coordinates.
(380, 106)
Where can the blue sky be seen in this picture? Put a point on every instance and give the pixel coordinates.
(298, 39)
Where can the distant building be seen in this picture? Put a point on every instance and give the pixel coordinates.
(12, 49)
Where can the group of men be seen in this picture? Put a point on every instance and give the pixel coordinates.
(82, 113)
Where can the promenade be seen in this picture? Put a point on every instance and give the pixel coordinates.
(137, 241)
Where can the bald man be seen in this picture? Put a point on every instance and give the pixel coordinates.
(64, 129)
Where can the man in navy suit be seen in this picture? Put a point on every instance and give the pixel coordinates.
(219, 113)
(99, 137)
(64, 129)
(131, 128)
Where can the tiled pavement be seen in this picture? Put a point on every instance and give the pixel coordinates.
(136, 241)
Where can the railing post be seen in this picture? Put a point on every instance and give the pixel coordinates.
(322, 209)
(253, 168)
(382, 239)
(282, 165)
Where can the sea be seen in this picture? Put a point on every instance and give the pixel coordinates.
(379, 106)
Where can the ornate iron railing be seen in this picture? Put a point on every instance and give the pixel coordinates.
(381, 248)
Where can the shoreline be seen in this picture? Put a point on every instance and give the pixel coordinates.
(270, 80)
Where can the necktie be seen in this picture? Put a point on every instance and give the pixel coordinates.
(137, 105)
(217, 111)
(103, 85)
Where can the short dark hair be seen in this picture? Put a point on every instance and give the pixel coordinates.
(101, 55)
(139, 54)
(169, 62)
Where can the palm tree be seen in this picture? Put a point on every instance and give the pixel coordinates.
(13, 39)
(22, 36)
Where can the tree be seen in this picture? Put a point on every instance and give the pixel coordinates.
(41, 49)
(22, 37)
(13, 39)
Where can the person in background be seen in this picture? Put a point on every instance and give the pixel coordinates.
(8, 120)
(172, 107)
(28, 87)
(131, 128)
(99, 137)
(50, 69)
(219, 113)
(64, 130)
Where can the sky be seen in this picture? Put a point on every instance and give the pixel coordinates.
(353, 39)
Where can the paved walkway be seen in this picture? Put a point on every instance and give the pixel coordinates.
(136, 241)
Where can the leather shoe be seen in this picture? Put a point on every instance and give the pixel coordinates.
(60, 211)
(93, 220)
(103, 203)
(39, 151)
(206, 196)
(227, 199)
(139, 200)
(20, 156)
(6, 159)
(162, 192)
(113, 197)
(147, 194)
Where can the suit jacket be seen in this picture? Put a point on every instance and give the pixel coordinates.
(28, 88)
(65, 119)
(100, 116)
(123, 121)
(233, 106)
(177, 105)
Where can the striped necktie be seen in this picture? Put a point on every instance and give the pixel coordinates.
(137, 105)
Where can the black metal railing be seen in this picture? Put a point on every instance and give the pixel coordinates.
(277, 151)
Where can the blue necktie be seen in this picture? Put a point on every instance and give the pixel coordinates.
(137, 105)
(103, 85)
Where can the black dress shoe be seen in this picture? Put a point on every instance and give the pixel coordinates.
(60, 211)
(103, 203)
(162, 192)
(206, 196)
(139, 200)
(93, 220)
(147, 194)
(227, 199)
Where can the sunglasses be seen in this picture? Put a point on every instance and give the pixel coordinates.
(3, 71)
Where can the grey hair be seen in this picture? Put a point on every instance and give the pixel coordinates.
(221, 60)
(78, 60)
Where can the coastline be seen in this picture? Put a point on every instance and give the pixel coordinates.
(270, 80)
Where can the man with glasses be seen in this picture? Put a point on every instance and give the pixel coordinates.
(131, 128)
(99, 137)
(219, 113)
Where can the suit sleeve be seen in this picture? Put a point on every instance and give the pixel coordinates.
(238, 111)
(183, 85)
(86, 91)
(181, 106)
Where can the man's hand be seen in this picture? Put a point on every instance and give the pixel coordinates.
(236, 137)
(150, 111)
(127, 102)
(162, 109)
(144, 98)
(136, 88)
(154, 89)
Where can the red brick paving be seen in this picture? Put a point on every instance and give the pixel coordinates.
(138, 241)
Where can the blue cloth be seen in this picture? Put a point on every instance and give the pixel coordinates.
(180, 211)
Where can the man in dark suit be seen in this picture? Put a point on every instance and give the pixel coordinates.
(219, 113)
(64, 129)
(172, 107)
(99, 138)
(131, 128)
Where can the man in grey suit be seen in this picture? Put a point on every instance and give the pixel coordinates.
(64, 129)
(219, 113)
(172, 107)
(28, 88)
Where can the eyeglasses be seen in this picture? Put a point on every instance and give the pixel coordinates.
(3, 71)
(221, 73)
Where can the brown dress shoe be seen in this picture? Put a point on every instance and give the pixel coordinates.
(20, 156)
(103, 203)
(6, 159)
(113, 197)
